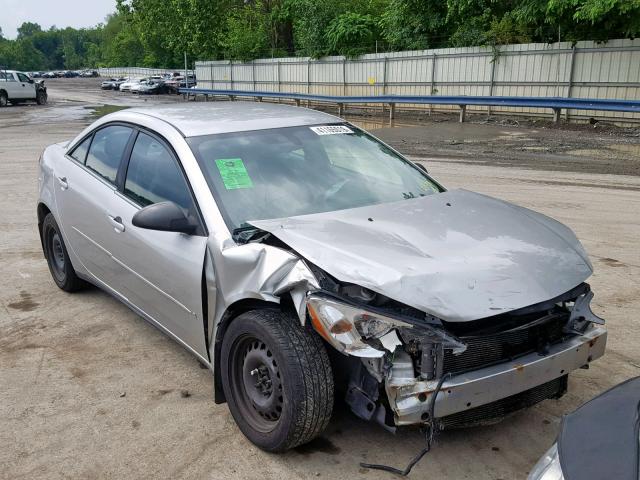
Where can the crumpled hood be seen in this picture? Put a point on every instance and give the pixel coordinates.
(457, 255)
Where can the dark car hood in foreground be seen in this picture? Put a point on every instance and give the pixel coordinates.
(457, 255)
(600, 439)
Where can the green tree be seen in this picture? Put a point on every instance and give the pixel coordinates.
(351, 34)
(28, 29)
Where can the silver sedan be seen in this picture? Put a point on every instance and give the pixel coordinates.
(293, 254)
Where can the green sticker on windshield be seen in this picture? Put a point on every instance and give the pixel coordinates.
(234, 174)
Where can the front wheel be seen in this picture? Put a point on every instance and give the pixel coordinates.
(41, 98)
(277, 379)
(4, 99)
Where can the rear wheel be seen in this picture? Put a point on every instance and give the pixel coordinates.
(41, 98)
(57, 257)
(4, 100)
(277, 379)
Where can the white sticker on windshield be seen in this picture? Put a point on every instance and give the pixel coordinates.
(331, 129)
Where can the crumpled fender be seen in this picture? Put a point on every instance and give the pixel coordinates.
(254, 271)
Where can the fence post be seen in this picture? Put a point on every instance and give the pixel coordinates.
(279, 85)
(433, 79)
(231, 74)
(384, 76)
(344, 76)
(570, 86)
(493, 74)
(308, 79)
(253, 74)
(211, 71)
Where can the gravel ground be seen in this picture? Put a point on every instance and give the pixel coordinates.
(90, 390)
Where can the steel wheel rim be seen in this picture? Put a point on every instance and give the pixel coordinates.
(56, 255)
(256, 383)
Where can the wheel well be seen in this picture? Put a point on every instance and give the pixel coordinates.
(232, 312)
(43, 211)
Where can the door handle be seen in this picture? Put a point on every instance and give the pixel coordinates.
(117, 224)
(63, 182)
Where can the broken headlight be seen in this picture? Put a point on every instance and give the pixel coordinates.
(348, 328)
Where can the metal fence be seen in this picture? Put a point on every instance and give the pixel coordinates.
(583, 70)
(138, 71)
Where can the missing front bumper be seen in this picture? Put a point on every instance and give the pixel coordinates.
(470, 390)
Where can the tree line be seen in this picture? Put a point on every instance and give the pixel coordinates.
(156, 33)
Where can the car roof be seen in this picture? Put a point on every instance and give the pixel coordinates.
(210, 118)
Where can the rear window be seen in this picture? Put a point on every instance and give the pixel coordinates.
(107, 148)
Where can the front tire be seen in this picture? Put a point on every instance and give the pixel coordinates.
(4, 99)
(277, 379)
(57, 257)
(41, 98)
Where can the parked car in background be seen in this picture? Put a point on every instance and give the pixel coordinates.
(17, 87)
(179, 81)
(136, 87)
(126, 86)
(89, 74)
(281, 245)
(598, 441)
(152, 87)
(113, 83)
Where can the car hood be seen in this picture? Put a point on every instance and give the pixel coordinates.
(457, 255)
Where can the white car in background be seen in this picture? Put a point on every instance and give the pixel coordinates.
(127, 86)
(136, 87)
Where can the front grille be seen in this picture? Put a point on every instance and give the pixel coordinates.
(486, 350)
(491, 412)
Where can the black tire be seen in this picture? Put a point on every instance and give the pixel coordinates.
(292, 375)
(4, 99)
(41, 98)
(57, 257)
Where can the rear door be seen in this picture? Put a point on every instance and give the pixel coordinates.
(163, 270)
(11, 85)
(85, 194)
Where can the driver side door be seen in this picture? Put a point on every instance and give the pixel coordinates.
(26, 88)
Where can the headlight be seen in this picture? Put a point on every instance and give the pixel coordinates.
(346, 327)
(548, 467)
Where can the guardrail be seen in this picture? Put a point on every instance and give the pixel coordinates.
(556, 104)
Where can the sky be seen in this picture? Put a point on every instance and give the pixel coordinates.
(61, 13)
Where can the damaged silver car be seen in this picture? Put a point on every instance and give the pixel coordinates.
(294, 254)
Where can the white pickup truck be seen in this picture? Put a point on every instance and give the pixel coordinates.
(16, 87)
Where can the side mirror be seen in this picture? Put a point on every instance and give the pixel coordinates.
(421, 167)
(164, 217)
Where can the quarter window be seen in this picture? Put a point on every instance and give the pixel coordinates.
(153, 175)
(106, 151)
(80, 152)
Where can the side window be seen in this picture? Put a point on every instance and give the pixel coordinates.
(106, 151)
(23, 78)
(80, 152)
(153, 175)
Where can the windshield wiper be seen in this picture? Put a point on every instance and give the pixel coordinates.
(249, 233)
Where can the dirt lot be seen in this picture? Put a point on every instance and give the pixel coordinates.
(90, 390)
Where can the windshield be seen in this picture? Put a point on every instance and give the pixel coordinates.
(284, 172)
